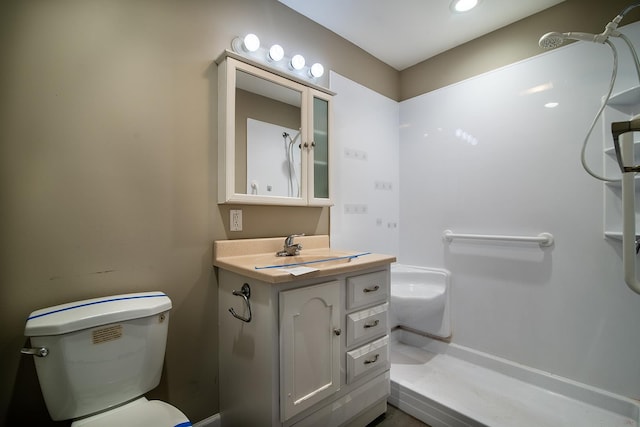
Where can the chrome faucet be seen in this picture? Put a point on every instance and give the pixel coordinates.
(290, 248)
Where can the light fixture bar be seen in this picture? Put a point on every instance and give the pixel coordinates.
(249, 47)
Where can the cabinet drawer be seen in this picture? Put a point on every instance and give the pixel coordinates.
(367, 289)
(367, 324)
(368, 358)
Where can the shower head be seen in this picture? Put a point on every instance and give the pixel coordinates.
(553, 40)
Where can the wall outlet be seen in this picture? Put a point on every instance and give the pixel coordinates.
(235, 220)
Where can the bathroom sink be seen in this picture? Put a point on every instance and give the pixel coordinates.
(256, 258)
(312, 260)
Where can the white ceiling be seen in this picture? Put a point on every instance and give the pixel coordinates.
(402, 33)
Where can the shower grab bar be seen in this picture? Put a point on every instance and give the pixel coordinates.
(543, 239)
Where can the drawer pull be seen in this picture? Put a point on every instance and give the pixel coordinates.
(337, 331)
(372, 324)
(370, 361)
(373, 289)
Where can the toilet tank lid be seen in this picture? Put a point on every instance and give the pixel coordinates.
(74, 316)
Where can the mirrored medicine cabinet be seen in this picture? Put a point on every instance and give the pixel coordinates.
(273, 136)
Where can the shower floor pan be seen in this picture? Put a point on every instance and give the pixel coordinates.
(451, 386)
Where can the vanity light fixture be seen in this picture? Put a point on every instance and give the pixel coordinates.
(460, 6)
(249, 47)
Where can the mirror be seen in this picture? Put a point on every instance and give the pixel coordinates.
(268, 122)
(273, 136)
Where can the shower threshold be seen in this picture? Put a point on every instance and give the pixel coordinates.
(445, 385)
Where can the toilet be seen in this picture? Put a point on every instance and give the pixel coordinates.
(97, 358)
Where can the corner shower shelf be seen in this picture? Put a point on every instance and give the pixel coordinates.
(612, 151)
(627, 101)
(618, 184)
(617, 235)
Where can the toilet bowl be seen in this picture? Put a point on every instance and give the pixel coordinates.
(96, 358)
(141, 412)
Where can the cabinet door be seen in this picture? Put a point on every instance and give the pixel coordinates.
(309, 346)
(319, 149)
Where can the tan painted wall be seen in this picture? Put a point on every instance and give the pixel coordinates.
(108, 154)
(510, 44)
(108, 159)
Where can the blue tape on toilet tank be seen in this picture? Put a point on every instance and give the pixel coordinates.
(94, 303)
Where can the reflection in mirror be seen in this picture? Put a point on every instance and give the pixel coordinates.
(278, 109)
(273, 160)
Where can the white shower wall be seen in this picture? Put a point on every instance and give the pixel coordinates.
(365, 158)
(485, 156)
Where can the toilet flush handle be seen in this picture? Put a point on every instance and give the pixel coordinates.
(36, 351)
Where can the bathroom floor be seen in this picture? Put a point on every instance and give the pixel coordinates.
(394, 417)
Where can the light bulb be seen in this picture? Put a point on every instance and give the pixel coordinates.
(316, 70)
(251, 42)
(276, 53)
(297, 62)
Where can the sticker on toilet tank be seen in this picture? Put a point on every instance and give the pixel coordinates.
(109, 333)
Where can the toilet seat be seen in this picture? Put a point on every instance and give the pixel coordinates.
(139, 413)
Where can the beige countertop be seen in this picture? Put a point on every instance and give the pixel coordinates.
(242, 256)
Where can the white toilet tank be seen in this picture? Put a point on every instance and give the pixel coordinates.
(101, 352)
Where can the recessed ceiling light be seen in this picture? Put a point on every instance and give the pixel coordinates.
(463, 5)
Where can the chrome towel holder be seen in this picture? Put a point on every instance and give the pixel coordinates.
(245, 293)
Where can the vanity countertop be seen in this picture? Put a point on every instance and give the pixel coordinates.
(242, 256)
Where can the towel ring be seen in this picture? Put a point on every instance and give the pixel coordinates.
(245, 293)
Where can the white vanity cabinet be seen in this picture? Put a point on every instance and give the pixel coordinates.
(274, 134)
(315, 353)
